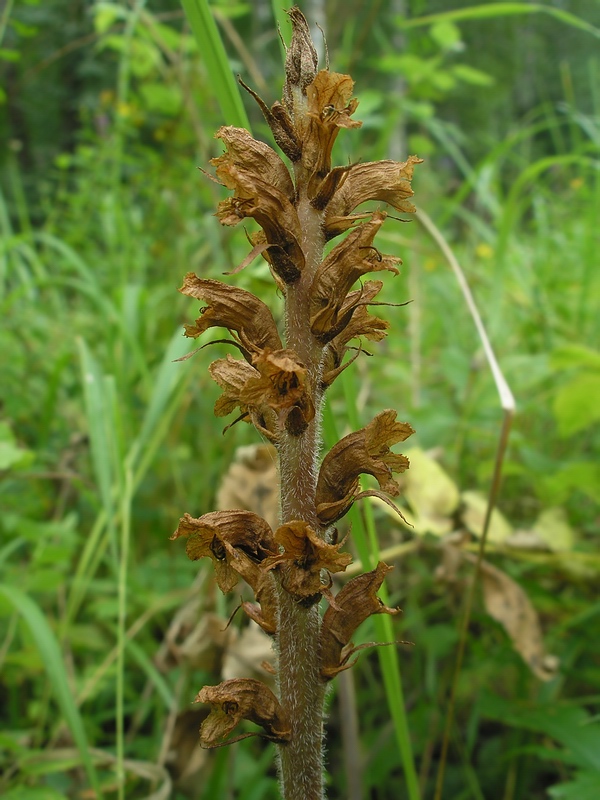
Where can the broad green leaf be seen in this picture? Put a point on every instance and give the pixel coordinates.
(577, 403)
(432, 495)
(553, 527)
(473, 515)
(475, 77)
(575, 355)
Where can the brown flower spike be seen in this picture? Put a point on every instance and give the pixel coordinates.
(277, 383)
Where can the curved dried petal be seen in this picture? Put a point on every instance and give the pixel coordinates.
(263, 190)
(251, 156)
(304, 555)
(221, 535)
(353, 604)
(362, 323)
(388, 181)
(234, 309)
(329, 108)
(231, 374)
(282, 386)
(365, 451)
(330, 305)
(238, 699)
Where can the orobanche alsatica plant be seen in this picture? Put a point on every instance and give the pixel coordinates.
(278, 385)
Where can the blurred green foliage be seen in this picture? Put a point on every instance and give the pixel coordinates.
(106, 110)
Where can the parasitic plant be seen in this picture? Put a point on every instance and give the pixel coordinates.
(278, 385)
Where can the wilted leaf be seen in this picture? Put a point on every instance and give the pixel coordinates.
(509, 605)
(252, 483)
(553, 527)
(432, 495)
(473, 515)
(246, 653)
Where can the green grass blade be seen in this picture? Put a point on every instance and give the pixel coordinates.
(491, 10)
(365, 538)
(98, 423)
(50, 654)
(212, 53)
(170, 374)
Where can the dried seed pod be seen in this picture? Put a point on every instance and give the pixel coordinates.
(238, 699)
(365, 451)
(353, 604)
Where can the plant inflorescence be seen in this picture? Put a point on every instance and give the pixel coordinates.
(278, 384)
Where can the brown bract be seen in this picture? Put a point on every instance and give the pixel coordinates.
(273, 391)
(235, 309)
(331, 306)
(225, 537)
(263, 190)
(353, 604)
(388, 181)
(365, 451)
(362, 323)
(232, 375)
(238, 699)
(304, 555)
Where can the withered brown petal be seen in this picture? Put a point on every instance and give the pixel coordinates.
(263, 190)
(232, 308)
(304, 555)
(231, 374)
(237, 699)
(365, 451)
(362, 323)
(253, 157)
(220, 534)
(353, 604)
(330, 305)
(388, 181)
(329, 108)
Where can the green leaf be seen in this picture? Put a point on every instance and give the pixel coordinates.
(50, 654)
(213, 55)
(575, 355)
(11, 455)
(446, 34)
(162, 98)
(9, 55)
(31, 793)
(576, 405)
(586, 786)
(475, 77)
(492, 10)
(106, 14)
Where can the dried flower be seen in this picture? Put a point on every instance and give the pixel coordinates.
(353, 604)
(238, 699)
(365, 451)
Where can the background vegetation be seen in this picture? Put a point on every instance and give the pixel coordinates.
(106, 631)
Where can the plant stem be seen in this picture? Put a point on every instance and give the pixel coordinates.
(301, 689)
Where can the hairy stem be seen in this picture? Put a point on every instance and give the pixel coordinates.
(302, 691)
